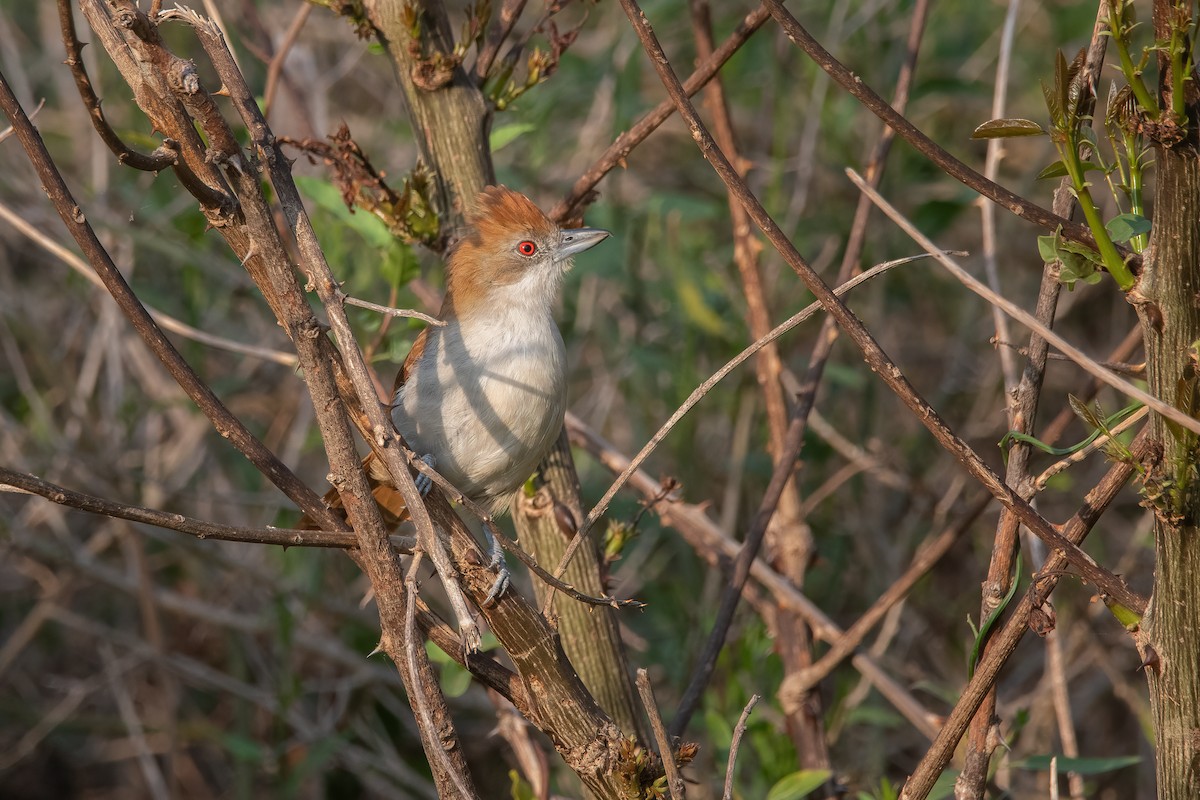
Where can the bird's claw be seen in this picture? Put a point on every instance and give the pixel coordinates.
(499, 587)
(423, 481)
(497, 565)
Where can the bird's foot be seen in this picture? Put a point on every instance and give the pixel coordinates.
(423, 481)
(497, 565)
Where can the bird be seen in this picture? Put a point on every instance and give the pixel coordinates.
(481, 398)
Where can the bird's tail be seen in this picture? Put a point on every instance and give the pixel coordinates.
(387, 497)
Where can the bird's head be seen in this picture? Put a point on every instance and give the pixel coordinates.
(511, 247)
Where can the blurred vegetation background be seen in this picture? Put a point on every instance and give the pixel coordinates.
(245, 666)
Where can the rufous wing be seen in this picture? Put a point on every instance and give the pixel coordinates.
(387, 496)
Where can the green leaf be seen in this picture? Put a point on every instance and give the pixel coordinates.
(1076, 268)
(244, 749)
(1124, 227)
(1083, 766)
(1008, 129)
(1056, 170)
(1129, 619)
(507, 134)
(329, 197)
(1048, 246)
(454, 680)
(520, 789)
(799, 784)
(1077, 262)
(1085, 413)
(1078, 249)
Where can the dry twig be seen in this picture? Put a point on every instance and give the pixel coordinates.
(665, 749)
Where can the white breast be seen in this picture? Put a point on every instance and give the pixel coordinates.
(486, 400)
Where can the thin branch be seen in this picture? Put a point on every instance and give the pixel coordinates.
(8, 131)
(873, 354)
(393, 312)
(1084, 361)
(167, 153)
(275, 68)
(581, 193)
(735, 744)
(665, 749)
(201, 529)
(987, 211)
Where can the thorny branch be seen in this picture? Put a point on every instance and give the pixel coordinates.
(199, 528)
(166, 155)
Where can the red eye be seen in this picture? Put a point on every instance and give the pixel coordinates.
(527, 248)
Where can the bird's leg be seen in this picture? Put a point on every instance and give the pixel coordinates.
(497, 565)
(423, 481)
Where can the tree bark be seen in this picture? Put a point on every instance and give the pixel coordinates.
(450, 116)
(1169, 308)
(590, 634)
(1171, 627)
